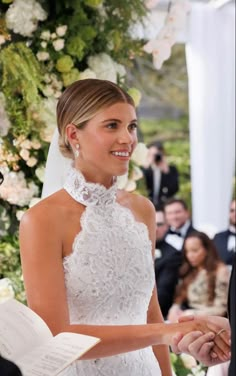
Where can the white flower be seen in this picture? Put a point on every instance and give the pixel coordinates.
(5, 221)
(40, 171)
(87, 73)
(161, 53)
(188, 360)
(161, 50)
(19, 214)
(57, 94)
(45, 35)
(53, 36)
(123, 182)
(43, 44)
(24, 153)
(6, 290)
(31, 161)
(4, 120)
(47, 115)
(175, 21)
(48, 91)
(53, 87)
(139, 155)
(15, 189)
(2, 39)
(130, 186)
(22, 16)
(136, 173)
(42, 55)
(35, 144)
(26, 144)
(61, 30)
(105, 67)
(58, 44)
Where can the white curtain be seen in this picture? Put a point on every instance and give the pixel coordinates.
(210, 51)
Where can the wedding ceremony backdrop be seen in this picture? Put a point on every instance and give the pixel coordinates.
(47, 45)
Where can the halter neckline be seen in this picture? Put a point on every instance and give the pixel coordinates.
(87, 193)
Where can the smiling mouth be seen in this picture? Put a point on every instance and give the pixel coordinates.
(121, 154)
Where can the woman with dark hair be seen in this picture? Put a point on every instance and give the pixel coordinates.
(204, 280)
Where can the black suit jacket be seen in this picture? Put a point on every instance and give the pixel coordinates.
(169, 184)
(232, 317)
(190, 230)
(221, 243)
(8, 368)
(166, 272)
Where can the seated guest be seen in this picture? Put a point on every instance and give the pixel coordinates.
(162, 179)
(225, 241)
(178, 219)
(167, 262)
(204, 280)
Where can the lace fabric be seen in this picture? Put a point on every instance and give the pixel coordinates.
(109, 275)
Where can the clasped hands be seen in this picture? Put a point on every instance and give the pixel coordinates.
(208, 343)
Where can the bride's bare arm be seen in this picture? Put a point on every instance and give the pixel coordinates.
(41, 245)
(161, 352)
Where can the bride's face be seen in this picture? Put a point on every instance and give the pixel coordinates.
(107, 142)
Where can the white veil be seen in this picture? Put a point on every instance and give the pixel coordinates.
(56, 168)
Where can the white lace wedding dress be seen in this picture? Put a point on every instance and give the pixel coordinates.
(109, 276)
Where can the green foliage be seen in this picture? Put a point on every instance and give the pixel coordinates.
(10, 266)
(21, 82)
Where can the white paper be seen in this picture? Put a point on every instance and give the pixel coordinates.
(59, 352)
(20, 329)
(27, 341)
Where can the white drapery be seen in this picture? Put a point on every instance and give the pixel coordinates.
(210, 51)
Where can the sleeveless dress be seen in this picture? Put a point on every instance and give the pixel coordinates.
(109, 275)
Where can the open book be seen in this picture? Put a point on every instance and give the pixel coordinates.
(26, 340)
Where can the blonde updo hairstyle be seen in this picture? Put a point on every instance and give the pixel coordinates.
(81, 101)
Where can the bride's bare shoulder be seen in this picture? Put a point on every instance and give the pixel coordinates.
(141, 206)
(47, 210)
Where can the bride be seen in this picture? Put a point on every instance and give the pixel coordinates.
(87, 249)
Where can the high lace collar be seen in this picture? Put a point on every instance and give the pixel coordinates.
(88, 193)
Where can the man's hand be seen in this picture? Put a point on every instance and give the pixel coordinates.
(209, 348)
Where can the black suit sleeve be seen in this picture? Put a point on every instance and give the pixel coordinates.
(166, 280)
(169, 183)
(8, 368)
(232, 317)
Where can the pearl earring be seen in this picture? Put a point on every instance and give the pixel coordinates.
(76, 150)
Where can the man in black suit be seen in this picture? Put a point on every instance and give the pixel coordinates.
(167, 263)
(162, 179)
(232, 317)
(225, 241)
(178, 219)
